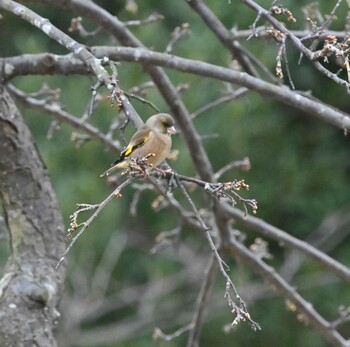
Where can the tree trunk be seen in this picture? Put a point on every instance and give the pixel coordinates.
(30, 289)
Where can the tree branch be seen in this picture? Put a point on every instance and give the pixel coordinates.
(296, 41)
(216, 26)
(283, 94)
(297, 302)
(288, 240)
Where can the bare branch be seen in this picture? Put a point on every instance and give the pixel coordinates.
(57, 112)
(223, 34)
(304, 35)
(76, 26)
(240, 311)
(283, 94)
(50, 30)
(288, 240)
(159, 335)
(144, 101)
(295, 40)
(203, 296)
(243, 164)
(84, 207)
(297, 302)
(152, 18)
(215, 224)
(224, 99)
(179, 33)
(332, 231)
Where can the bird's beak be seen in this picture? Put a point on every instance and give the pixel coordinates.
(171, 130)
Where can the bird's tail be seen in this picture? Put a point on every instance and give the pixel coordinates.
(119, 164)
(109, 171)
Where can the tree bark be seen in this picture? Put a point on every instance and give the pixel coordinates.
(31, 288)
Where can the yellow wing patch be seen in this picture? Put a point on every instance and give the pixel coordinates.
(128, 151)
(131, 148)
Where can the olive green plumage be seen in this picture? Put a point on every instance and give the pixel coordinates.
(153, 138)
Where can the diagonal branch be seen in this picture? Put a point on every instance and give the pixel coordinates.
(239, 310)
(223, 35)
(203, 296)
(297, 302)
(58, 113)
(57, 35)
(288, 240)
(83, 226)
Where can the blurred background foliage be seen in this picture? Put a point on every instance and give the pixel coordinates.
(300, 175)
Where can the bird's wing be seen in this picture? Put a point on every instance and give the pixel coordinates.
(136, 141)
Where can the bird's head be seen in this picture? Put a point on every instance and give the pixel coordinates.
(163, 123)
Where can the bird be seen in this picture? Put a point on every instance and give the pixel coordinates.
(151, 141)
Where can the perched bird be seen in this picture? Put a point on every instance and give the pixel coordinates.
(153, 139)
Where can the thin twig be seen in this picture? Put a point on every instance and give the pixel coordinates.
(243, 164)
(288, 70)
(296, 41)
(57, 112)
(179, 33)
(303, 35)
(92, 103)
(140, 90)
(226, 190)
(203, 296)
(99, 208)
(224, 99)
(253, 31)
(159, 335)
(240, 311)
(297, 302)
(76, 26)
(152, 18)
(144, 101)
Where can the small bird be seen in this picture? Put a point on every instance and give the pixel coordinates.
(153, 139)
